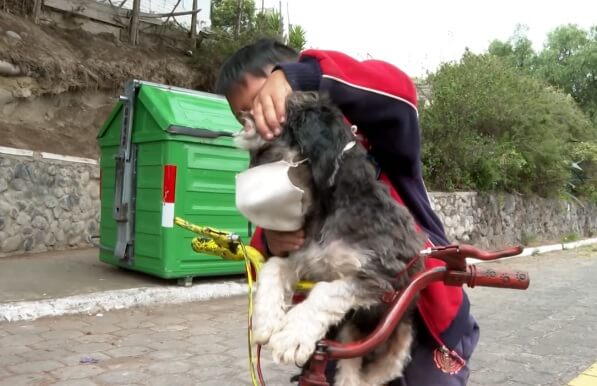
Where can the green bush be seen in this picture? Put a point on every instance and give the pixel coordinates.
(490, 127)
(583, 181)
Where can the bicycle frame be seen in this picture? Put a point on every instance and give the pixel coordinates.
(456, 272)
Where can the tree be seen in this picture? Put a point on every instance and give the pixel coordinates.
(270, 23)
(518, 50)
(228, 15)
(501, 49)
(236, 23)
(569, 61)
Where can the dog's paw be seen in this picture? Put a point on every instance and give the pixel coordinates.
(291, 346)
(267, 319)
(296, 341)
(263, 330)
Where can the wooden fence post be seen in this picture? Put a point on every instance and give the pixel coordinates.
(194, 26)
(134, 23)
(37, 11)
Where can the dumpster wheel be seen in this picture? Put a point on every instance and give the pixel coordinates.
(186, 281)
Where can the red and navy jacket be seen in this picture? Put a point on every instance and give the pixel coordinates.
(381, 101)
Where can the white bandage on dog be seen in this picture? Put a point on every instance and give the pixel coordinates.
(266, 196)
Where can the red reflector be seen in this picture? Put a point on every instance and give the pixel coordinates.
(169, 188)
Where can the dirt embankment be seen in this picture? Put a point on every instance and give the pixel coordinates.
(57, 86)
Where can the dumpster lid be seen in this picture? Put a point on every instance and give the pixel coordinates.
(113, 114)
(175, 107)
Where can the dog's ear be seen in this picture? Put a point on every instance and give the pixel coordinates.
(319, 130)
(248, 138)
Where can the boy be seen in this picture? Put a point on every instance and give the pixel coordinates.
(381, 101)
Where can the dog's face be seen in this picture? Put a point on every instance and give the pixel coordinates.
(314, 129)
(281, 148)
(262, 151)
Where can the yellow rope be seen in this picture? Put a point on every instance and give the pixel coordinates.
(223, 244)
(250, 316)
(220, 243)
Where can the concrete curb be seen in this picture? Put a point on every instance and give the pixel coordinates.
(544, 249)
(146, 296)
(116, 300)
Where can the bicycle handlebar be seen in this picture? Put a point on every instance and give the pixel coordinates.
(455, 273)
(455, 255)
(492, 277)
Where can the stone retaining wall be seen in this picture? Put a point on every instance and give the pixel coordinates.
(46, 204)
(497, 220)
(49, 204)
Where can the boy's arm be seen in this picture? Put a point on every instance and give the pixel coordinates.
(374, 95)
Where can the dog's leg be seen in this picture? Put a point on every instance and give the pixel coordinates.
(274, 285)
(310, 320)
(391, 364)
(349, 370)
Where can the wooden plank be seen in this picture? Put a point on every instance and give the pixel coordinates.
(194, 27)
(182, 13)
(91, 9)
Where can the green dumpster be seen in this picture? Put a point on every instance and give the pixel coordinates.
(167, 152)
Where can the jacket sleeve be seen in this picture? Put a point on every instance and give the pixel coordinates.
(258, 241)
(374, 95)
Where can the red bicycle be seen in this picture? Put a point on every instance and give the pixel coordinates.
(456, 273)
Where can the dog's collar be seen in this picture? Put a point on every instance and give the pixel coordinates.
(346, 148)
(349, 146)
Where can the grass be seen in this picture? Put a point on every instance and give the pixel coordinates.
(526, 239)
(570, 237)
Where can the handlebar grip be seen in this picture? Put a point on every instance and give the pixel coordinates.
(492, 277)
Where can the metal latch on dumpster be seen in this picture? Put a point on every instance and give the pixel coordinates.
(124, 190)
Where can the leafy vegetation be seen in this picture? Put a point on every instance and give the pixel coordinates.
(516, 120)
(568, 61)
(235, 24)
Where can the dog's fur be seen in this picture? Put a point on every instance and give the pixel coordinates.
(357, 242)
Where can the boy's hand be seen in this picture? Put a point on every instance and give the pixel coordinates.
(281, 243)
(269, 106)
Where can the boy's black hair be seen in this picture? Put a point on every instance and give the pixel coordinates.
(252, 59)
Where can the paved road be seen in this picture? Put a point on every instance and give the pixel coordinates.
(544, 336)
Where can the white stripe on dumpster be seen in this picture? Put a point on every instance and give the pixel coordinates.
(168, 215)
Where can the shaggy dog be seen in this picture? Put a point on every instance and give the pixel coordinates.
(358, 242)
